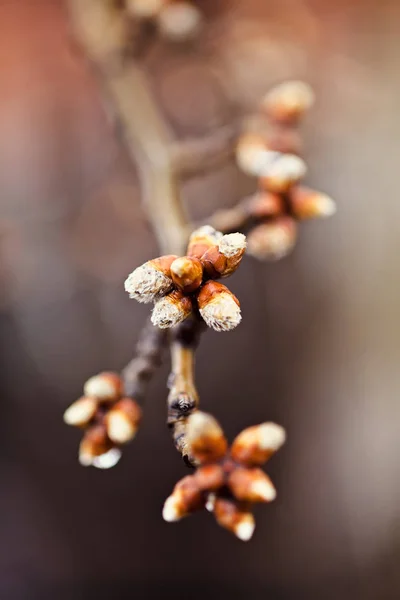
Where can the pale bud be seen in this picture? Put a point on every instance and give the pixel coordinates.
(185, 498)
(231, 517)
(81, 412)
(255, 445)
(282, 173)
(253, 154)
(288, 101)
(272, 240)
(150, 280)
(251, 485)
(180, 21)
(171, 310)
(219, 308)
(94, 443)
(122, 421)
(309, 204)
(205, 438)
(104, 387)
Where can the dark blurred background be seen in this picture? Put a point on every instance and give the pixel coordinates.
(318, 351)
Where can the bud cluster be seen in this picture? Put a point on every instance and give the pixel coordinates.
(108, 419)
(176, 20)
(179, 286)
(272, 156)
(227, 482)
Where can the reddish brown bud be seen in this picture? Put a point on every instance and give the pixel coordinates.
(309, 204)
(171, 310)
(251, 485)
(123, 420)
(187, 273)
(81, 412)
(201, 240)
(283, 173)
(263, 205)
(219, 308)
(255, 445)
(231, 517)
(205, 438)
(104, 387)
(224, 259)
(94, 443)
(288, 101)
(150, 280)
(185, 499)
(274, 240)
(210, 477)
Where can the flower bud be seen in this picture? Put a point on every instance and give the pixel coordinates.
(144, 9)
(185, 498)
(104, 387)
(107, 460)
(122, 421)
(210, 477)
(81, 412)
(272, 240)
(309, 204)
(180, 21)
(219, 308)
(264, 204)
(255, 445)
(283, 173)
(187, 273)
(201, 240)
(251, 485)
(224, 259)
(205, 438)
(94, 443)
(288, 101)
(231, 517)
(253, 155)
(284, 139)
(171, 310)
(150, 280)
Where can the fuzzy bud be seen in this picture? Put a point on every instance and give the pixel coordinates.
(251, 485)
(224, 259)
(185, 498)
(210, 477)
(81, 412)
(219, 308)
(231, 517)
(205, 438)
(171, 310)
(187, 273)
(201, 240)
(123, 420)
(283, 173)
(180, 21)
(105, 387)
(144, 9)
(107, 460)
(273, 240)
(288, 101)
(255, 445)
(150, 280)
(253, 155)
(309, 204)
(94, 443)
(263, 205)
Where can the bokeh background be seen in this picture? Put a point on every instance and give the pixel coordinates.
(318, 351)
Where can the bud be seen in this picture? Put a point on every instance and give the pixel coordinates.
(283, 173)
(231, 517)
(288, 101)
(285, 140)
(251, 485)
(219, 308)
(273, 240)
(180, 21)
(309, 204)
(122, 421)
(104, 387)
(205, 438)
(94, 443)
(81, 412)
(171, 310)
(150, 280)
(210, 477)
(187, 273)
(255, 445)
(224, 259)
(253, 155)
(144, 9)
(201, 240)
(263, 205)
(107, 460)
(185, 499)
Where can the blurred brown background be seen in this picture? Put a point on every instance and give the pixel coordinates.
(318, 351)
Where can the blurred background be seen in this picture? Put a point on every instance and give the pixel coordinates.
(318, 351)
